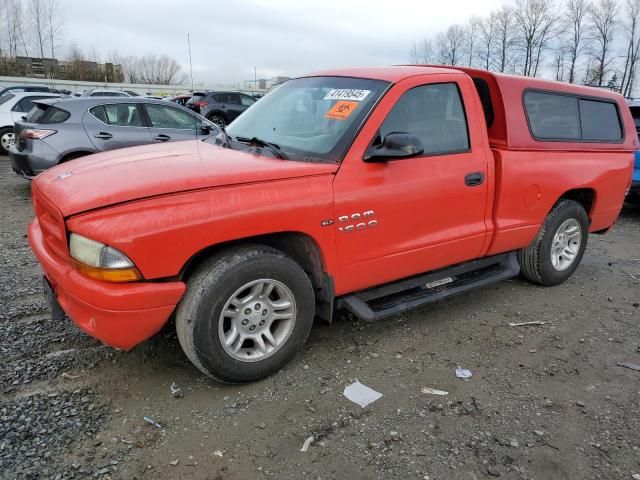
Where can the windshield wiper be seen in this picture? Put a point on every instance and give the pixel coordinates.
(227, 137)
(257, 142)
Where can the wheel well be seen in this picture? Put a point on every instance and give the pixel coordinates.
(73, 155)
(584, 196)
(299, 246)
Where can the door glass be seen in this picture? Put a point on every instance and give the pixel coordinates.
(221, 98)
(118, 114)
(247, 100)
(168, 117)
(434, 114)
(234, 99)
(26, 104)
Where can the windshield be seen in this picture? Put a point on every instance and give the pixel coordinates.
(315, 117)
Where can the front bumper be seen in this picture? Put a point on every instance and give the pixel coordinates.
(121, 315)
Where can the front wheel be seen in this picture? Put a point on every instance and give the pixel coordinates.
(246, 313)
(558, 248)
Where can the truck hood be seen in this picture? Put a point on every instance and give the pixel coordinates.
(134, 173)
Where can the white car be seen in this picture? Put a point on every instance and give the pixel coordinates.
(13, 106)
(99, 92)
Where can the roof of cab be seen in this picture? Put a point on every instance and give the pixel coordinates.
(391, 74)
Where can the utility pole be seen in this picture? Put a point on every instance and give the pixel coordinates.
(190, 64)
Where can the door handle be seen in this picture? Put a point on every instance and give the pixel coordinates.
(162, 138)
(474, 179)
(103, 136)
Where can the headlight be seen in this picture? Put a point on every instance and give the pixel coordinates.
(100, 261)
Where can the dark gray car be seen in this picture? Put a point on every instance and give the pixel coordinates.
(58, 130)
(221, 108)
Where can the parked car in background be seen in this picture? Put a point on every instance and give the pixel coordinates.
(180, 99)
(58, 130)
(24, 88)
(221, 108)
(634, 193)
(13, 106)
(98, 92)
(132, 93)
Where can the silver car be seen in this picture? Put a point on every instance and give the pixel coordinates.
(58, 130)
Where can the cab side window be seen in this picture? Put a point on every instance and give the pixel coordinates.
(433, 113)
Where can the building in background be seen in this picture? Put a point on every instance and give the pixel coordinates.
(51, 68)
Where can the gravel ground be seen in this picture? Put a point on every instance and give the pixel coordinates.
(545, 401)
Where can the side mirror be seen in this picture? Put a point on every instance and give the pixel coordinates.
(395, 146)
(206, 128)
(23, 117)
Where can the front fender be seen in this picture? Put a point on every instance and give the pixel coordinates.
(161, 234)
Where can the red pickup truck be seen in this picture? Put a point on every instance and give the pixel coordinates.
(372, 190)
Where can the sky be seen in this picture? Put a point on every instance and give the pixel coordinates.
(278, 37)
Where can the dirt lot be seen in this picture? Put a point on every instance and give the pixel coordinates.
(544, 402)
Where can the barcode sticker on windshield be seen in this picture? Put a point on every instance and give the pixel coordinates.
(347, 94)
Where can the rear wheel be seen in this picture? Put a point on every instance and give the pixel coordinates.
(7, 138)
(558, 248)
(246, 313)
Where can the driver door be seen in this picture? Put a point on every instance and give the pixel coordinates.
(401, 217)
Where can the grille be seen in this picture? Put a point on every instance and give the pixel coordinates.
(51, 224)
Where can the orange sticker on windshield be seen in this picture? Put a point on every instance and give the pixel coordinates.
(341, 110)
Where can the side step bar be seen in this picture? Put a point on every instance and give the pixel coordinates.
(396, 297)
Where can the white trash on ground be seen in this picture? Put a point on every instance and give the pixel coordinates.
(361, 394)
(433, 391)
(526, 324)
(629, 365)
(307, 443)
(463, 373)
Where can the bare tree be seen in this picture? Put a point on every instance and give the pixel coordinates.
(159, 70)
(38, 24)
(559, 64)
(451, 45)
(505, 37)
(16, 18)
(54, 18)
(575, 25)
(422, 52)
(632, 27)
(535, 21)
(602, 26)
(472, 33)
(487, 34)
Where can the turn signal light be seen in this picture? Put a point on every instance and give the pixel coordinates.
(109, 275)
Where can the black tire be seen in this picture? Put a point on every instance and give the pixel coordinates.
(535, 260)
(217, 119)
(209, 288)
(4, 131)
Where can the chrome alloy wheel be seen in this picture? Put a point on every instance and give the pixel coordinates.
(7, 140)
(257, 320)
(566, 244)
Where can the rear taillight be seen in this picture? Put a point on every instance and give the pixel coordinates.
(36, 133)
(201, 104)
